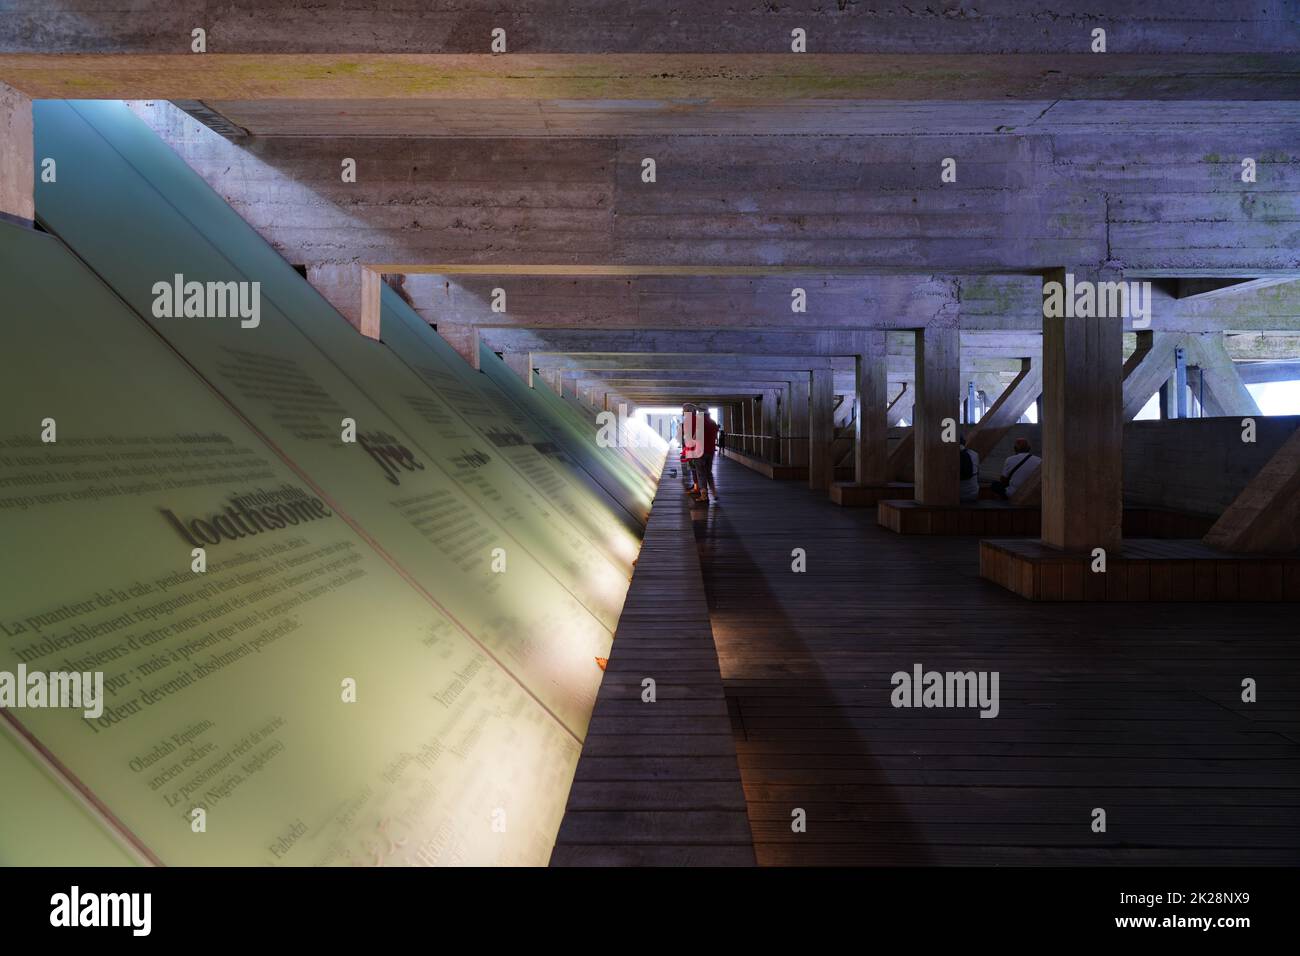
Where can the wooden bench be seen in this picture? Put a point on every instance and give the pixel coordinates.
(849, 494)
(995, 518)
(658, 783)
(767, 469)
(1143, 570)
(779, 472)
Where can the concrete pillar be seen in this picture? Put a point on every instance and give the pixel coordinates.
(1082, 471)
(821, 429)
(521, 363)
(746, 425)
(871, 428)
(17, 159)
(779, 429)
(771, 427)
(797, 421)
(938, 384)
(355, 292)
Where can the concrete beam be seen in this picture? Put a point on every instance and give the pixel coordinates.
(654, 348)
(703, 340)
(869, 205)
(900, 408)
(1207, 288)
(1147, 369)
(666, 300)
(1277, 371)
(1010, 405)
(703, 363)
(1223, 390)
(1266, 515)
(1157, 28)
(1262, 346)
(742, 78)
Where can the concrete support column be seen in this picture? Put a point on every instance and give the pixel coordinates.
(821, 429)
(770, 427)
(797, 421)
(521, 363)
(17, 157)
(938, 384)
(355, 292)
(746, 425)
(871, 428)
(1082, 471)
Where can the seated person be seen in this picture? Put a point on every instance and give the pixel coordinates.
(970, 474)
(1018, 467)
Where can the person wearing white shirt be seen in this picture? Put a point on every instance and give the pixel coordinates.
(1017, 469)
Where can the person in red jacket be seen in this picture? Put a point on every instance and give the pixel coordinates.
(708, 437)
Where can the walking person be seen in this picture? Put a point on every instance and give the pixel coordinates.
(708, 447)
(690, 452)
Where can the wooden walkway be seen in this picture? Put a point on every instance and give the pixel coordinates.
(657, 783)
(1135, 709)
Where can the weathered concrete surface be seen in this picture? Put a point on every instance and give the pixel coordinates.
(1021, 203)
(17, 163)
(1266, 515)
(1082, 471)
(352, 290)
(1008, 26)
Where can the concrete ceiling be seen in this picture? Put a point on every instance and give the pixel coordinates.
(1124, 160)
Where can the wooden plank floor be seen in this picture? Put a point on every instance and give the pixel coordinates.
(1135, 709)
(657, 783)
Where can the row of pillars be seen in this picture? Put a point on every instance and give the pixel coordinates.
(1081, 412)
